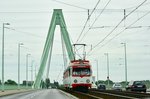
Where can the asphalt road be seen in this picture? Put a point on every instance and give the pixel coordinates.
(40, 94)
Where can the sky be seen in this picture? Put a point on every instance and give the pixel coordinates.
(104, 32)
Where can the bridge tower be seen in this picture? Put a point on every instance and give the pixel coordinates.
(57, 19)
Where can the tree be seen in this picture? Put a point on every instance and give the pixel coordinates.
(42, 84)
(104, 82)
(47, 81)
(0, 82)
(56, 84)
(10, 82)
(100, 82)
(110, 82)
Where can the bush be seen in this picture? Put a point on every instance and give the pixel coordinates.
(10, 82)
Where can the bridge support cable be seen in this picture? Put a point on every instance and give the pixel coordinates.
(64, 53)
(49, 60)
(66, 40)
(57, 19)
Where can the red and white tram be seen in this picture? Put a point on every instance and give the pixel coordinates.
(78, 75)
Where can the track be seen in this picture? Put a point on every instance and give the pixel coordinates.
(125, 93)
(82, 95)
(97, 94)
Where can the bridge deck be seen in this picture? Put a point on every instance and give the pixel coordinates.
(36, 94)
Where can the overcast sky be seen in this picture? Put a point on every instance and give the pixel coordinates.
(29, 23)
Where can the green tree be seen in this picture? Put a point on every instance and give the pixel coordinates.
(110, 82)
(104, 82)
(100, 82)
(42, 85)
(47, 81)
(56, 84)
(10, 82)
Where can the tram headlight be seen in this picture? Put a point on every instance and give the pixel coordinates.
(75, 81)
(88, 81)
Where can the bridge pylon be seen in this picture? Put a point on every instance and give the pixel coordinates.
(57, 19)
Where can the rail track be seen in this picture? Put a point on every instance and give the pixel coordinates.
(126, 93)
(82, 95)
(108, 94)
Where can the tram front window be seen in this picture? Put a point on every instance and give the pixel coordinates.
(81, 71)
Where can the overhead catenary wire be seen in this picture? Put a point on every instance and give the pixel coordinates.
(138, 26)
(70, 4)
(72, 43)
(43, 12)
(95, 19)
(128, 27)
(67, 11)
(100, 13)
(117, 25)
(61, 70)
(135, 6)
(87, 20)
(23, 32)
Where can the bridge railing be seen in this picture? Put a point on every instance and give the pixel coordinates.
(14, 87)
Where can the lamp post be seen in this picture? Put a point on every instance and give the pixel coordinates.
(125, 61)
(27, 56)
(107, 57)
(19, 45)
(3, 56)
(97, 70)
(32, 71)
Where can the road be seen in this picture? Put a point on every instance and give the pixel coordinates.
(40, 94)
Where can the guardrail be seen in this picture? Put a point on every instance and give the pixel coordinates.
(13, 87)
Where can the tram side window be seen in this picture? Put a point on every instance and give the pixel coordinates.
(66, 73)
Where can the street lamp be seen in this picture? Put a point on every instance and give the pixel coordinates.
(97, 70)
(27, 56)
(32, 71)
(107, 57)
(19, 45)
(3, 56)
(125, 61)
(35, 72)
